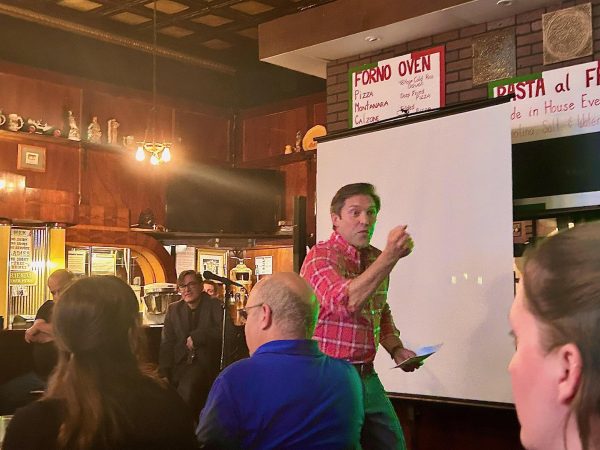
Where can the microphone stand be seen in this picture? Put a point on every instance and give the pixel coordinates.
(225, 300)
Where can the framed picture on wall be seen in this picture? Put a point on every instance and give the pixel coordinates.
(214, 261)
(31, 157)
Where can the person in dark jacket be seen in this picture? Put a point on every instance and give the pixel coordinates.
(190, 348)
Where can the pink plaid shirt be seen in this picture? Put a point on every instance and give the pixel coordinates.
(329, 267)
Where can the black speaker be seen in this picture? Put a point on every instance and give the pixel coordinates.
(299, 232)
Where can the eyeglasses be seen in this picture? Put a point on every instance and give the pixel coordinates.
(244, 311)
(190, 285)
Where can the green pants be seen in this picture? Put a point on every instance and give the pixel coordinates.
(382, 430)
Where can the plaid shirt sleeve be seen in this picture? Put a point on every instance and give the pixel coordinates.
(388, 328)
(322, 272)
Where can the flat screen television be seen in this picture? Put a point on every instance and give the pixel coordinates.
(225, 200)
(561, 173)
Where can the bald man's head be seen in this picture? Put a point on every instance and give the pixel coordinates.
(58, 281)
(292, 302)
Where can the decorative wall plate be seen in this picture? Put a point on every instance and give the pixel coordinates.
(567, 33)
(308, 142)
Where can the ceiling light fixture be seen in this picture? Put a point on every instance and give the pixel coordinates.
(504, 2)
(160, 152)
(372, 38)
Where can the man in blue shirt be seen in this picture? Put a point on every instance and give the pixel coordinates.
(288, 394)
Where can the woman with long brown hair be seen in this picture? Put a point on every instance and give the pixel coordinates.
(99, 397)
(555, 319)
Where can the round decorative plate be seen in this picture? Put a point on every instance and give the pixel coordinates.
(308, 142)
(567, 34)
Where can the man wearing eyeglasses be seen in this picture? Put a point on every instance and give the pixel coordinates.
(288, 394)
(190, 347)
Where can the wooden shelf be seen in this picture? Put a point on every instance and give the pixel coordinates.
(279, 160)
(35, 138)
(20, 136)
(226, 240)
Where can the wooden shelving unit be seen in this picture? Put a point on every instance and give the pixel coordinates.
(280, 160)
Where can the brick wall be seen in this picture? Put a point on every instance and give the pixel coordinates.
(459, 62)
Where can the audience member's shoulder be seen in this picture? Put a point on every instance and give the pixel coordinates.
(43, 416)
(175, 305)
(39, 408)
(157, 389)
(213, 301)
(338, 362)
(342, 365)
(240, 369)
(46, 307)
(154, 395)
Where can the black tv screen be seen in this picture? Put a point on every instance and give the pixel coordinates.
(565, 165)
(225, 200)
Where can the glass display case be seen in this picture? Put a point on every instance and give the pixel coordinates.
(94, 260)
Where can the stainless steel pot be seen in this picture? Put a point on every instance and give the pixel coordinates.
(158, 296)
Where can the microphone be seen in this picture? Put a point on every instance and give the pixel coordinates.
(226, 281)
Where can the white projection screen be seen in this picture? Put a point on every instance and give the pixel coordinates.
(449, 179)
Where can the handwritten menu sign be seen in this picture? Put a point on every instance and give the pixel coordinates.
(396, 87)
(20, 250)
(555, 103)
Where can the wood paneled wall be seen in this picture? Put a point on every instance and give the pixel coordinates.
(62, 160)
(103, 185)
(106, 175)
(430, 425)
(265, 131)
(282, 258)
(37, 97)
(115, 180)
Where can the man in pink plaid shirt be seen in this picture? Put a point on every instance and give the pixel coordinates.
(350, 278)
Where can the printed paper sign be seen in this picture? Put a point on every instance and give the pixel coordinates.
(396, 87)
(263, 265)
(28, 278)
(20, 250)
(185, 259)
(103, 264)
(555, 103)
(19, 291)
(76, 261)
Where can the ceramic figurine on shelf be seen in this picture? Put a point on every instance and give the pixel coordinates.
(41, 127)
(94, 133)
(74, 134)
(298, 147)
(128, 141)
(112, 131)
